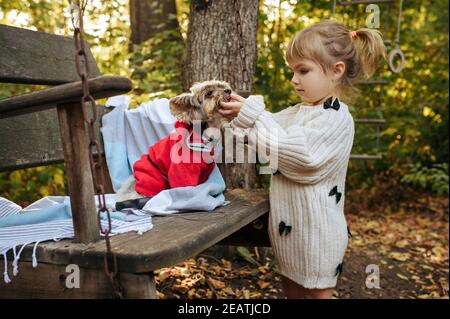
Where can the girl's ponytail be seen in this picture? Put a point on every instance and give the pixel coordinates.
(370, 48)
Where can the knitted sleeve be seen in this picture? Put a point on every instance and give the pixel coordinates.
(305, 153)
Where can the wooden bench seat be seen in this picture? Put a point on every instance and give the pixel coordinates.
(173, 239)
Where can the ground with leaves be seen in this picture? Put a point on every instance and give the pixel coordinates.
(409, 246)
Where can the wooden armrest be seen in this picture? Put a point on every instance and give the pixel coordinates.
(100, 87)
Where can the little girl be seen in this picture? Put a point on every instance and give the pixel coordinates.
(307, 226)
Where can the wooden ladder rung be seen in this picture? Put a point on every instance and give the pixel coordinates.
(365, 157)
(370, 121)
(375, 82)
(345, 3)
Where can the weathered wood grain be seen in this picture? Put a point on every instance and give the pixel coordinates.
(34, 139)
(32, 57)
(50, 282)
(78, 171)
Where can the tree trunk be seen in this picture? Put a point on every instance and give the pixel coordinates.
(149, 17)
(154, 32)
(222, 45)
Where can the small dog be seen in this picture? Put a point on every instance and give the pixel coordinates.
(201, 104)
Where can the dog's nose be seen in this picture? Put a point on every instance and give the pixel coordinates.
(227, 95)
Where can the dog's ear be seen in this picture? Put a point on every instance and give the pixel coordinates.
(181, 103)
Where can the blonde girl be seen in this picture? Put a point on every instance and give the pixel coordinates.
(307, 226)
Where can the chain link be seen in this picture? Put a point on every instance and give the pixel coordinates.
(82, 66)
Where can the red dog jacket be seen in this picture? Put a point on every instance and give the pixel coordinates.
(178, 160)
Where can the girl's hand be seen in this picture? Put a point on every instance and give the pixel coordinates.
(231, 109)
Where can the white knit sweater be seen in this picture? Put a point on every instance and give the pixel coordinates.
(314, 145)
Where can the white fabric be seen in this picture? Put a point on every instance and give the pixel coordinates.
(313, 146)
(49, 219)
(127, 134)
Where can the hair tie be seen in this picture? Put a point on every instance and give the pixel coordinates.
(354, 34)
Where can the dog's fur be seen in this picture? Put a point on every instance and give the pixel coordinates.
(200, 104)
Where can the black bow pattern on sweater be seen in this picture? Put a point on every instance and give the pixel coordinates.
(334, 191)
(349, 233)
(283, 228)
(328, 105)
(339, 269)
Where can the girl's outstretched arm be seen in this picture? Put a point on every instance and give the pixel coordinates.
(305, 153)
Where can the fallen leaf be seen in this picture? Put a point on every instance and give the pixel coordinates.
(229, 291)
(427, 267)
(402, 277)
(217, 284)
(263, 284)
(400, 256)
(402, 243)
(226, 264)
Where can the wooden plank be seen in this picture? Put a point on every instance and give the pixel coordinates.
(33, 139)
(33, 57)
(56, 282)
(108, 186)
(100, 87)
(172, 240)
(78, 171)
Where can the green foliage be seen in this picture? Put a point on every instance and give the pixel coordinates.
(28, 185)
(434, 179)
(156, 66)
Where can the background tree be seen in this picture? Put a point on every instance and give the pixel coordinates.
(155, 29)
(149, 17)
(221, 45)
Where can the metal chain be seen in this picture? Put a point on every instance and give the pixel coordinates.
(245, 72)
(82, 67)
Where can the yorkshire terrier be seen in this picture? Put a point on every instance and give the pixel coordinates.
(200, 105)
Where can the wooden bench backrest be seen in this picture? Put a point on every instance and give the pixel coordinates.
(33, 139)
(32, 57)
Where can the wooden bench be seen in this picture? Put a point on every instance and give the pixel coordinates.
(44, 128)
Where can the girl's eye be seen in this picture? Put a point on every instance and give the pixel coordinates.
(304, 71)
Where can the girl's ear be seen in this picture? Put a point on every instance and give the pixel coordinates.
(338, 70)
(181, 103)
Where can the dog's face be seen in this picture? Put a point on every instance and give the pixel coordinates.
(202, 103)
